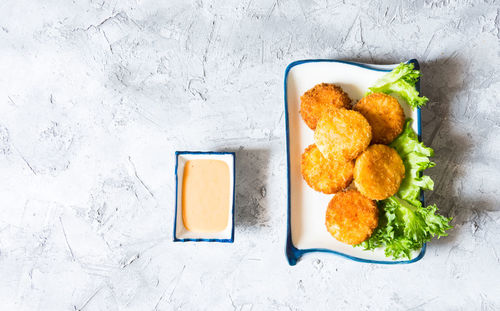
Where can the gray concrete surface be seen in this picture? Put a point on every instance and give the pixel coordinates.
(95, 97)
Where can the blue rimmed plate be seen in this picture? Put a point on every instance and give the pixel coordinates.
(306, 231)
(181, 234)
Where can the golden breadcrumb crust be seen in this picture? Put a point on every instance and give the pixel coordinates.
(378, 172)
(351, 217)
(324, 175)
(385, 115)
(341, 134)
(321, 97)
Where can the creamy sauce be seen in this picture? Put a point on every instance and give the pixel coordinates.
(205, 195)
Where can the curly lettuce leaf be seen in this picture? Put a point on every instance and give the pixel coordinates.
(404, 227)
(415, 157)
(401, 80)
(404, 224)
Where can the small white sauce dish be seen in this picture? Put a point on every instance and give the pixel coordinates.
(181, 234)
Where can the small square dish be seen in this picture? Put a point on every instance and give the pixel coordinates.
(306, 208)
(225, 161)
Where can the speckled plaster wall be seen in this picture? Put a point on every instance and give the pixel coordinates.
(96, 96)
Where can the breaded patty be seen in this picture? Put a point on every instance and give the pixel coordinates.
(385, 115)
(351, 217)
(378, 172)
(321, 97)
(342, 135)
(323, 175)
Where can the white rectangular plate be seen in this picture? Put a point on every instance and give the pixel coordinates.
(306, 230)
(181, 234)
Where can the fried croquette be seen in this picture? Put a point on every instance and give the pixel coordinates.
(323, 175)
(378, 172)
(385, 115)
(351, 217)
(316, 100)
(341, 135)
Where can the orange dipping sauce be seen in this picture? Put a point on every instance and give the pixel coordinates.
(205, 195)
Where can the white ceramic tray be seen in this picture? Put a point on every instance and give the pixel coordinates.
(306, 231)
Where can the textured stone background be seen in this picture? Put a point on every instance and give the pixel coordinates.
(95, 97)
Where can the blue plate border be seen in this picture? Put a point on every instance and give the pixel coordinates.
(177, 153)
(292, 253)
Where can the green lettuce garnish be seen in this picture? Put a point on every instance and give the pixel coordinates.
(404, 227)
(404, 224)
(401, 80)
(415, 156)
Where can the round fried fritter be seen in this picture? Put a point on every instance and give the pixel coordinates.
(342, 135)
(351, 217)
(323, 175)
(378, 172)
(385, 115)
(321, 97)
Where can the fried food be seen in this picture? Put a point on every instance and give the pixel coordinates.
(321, 97)
(378, 172)
(323, 175)
(351, 217)
(385, 115)
(341, 135)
